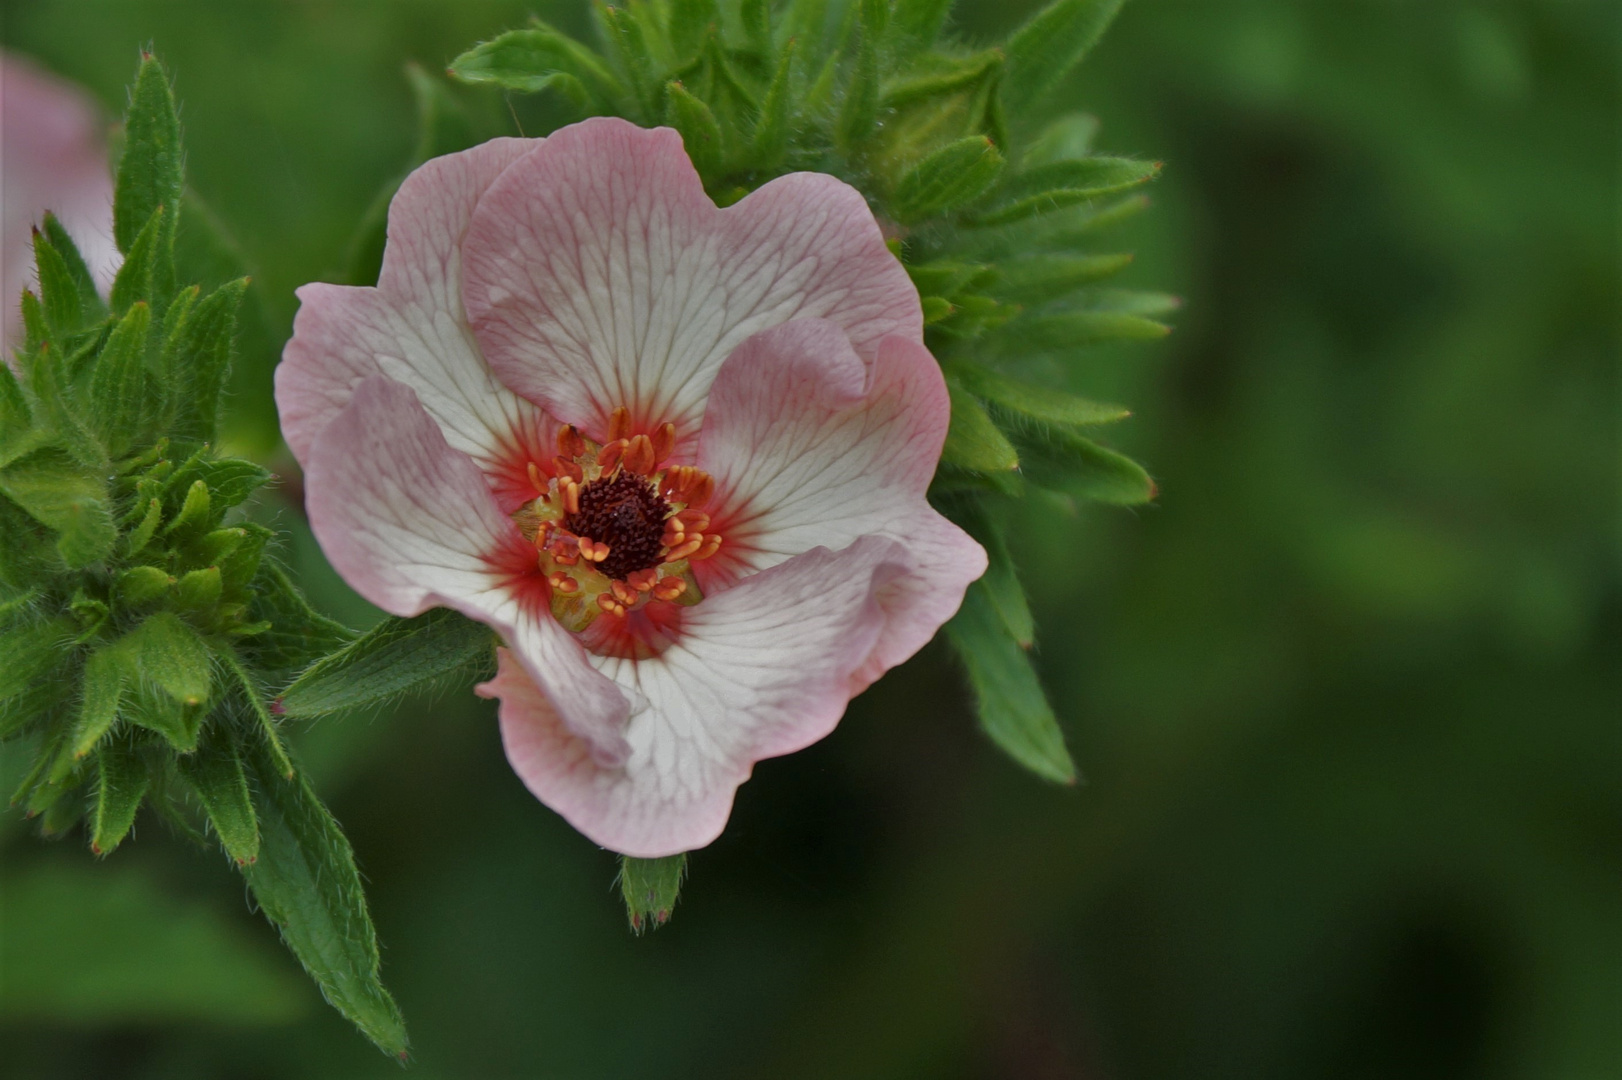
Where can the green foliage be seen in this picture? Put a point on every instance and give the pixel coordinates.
(650, 888)
(144, 632)
(992, 229)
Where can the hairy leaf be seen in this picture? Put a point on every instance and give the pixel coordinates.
(650, 888)
(973, 441)
(215, 773)
(953, 176)
(1042, 52)
(120, 785)
(1062, 184)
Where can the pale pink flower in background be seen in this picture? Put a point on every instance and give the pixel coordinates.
(676, 455)
(53, 156)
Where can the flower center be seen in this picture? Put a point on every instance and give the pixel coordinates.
(615, 533)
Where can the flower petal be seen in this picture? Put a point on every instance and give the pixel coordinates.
(762, 669)
(599, 274)
(811, 446)
(412, 328)
(408, 521)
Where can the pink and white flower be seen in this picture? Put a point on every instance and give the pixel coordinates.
(53, 156)
(676, 455)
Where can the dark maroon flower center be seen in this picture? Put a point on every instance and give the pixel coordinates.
(624, 512)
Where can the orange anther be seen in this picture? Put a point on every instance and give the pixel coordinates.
(669, 588)
(569, 492)
(685, 548)
(607, 602)
(619, 424)
(543, 532)
(569, 467)
(639, 456)
(623, 593)
(570, 444)
(642, 580)
(562, 582)
(693, 521)
(595, 550)
(536, 480)
(664, 441)
(609, 455)
(712, 544)
(700, 490)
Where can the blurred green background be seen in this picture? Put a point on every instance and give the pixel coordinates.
(1348, 697)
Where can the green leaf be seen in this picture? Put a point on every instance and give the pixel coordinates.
(89, 300)
(690, 23)
(198, 590)
(756, 17)
(1012, 708)
(136, 277)
(229, 481)
(393, 658)
(141, 535)
(32, 650)
(770, 138)
(1061, 184)
(650, 888)
(195, 512)
(306, 883)
(150, 176)
(1061, 460)
(120, 785)
(106, 674)
(859, 111)
(700, 134)
(1067, 138)
(627, 43)
(1001, 580)
(973, 440)
(915, 24)
(298, 635)
(61, 495)
(1042, 52)
(1038, 278)
(1073, 329)
(216, 775)
(151, 708)
(953, 176)
(253, 694)
(122, 391)
(1041, 402)
(240, 563)
(537, 58)
(169, 653)
(197, 357)
(58, 292)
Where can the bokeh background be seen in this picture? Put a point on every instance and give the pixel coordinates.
(1348, 697)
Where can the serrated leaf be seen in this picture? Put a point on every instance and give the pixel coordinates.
(1061, 460)
(393, 658)
(150, 175)
(700, 134)
(123, 396)
(1042, 52)
(650, 888)
(198, 357)
(215, 773)
(121, 783)
(106, 675)
(58, 292)
(60, 494)
(1041, 402)
(973, 440)
(537, 58)
(90, 303)
(950, 177)
(1062, 184)
(1011, 706)
(136, 277)
(169, 653)
(306, 883)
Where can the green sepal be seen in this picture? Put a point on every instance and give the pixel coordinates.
(141, 585)
(395, 657)
(58, 292)
(700, 134)
(195, 512)
(539, 58)
(121, 783)
(198, 591)
(973, 440)
(1011, 706)
(1039, 278)
(215, 773)
(935, 309)
(90, 304)
(948, 178)
(859, 111)
(61, 495)
(1042, 52)
(650, 888)
(150, 176)
(106, 676)
(138, 538)
(1041, 402)
(136, 278)
(306, 883)
(770, 138)
(198, 357)
(1062, 184)
(1060, 460)
(169, 653)
(36, 331)
(1073, 329)
(124, 399)
(220, 543)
